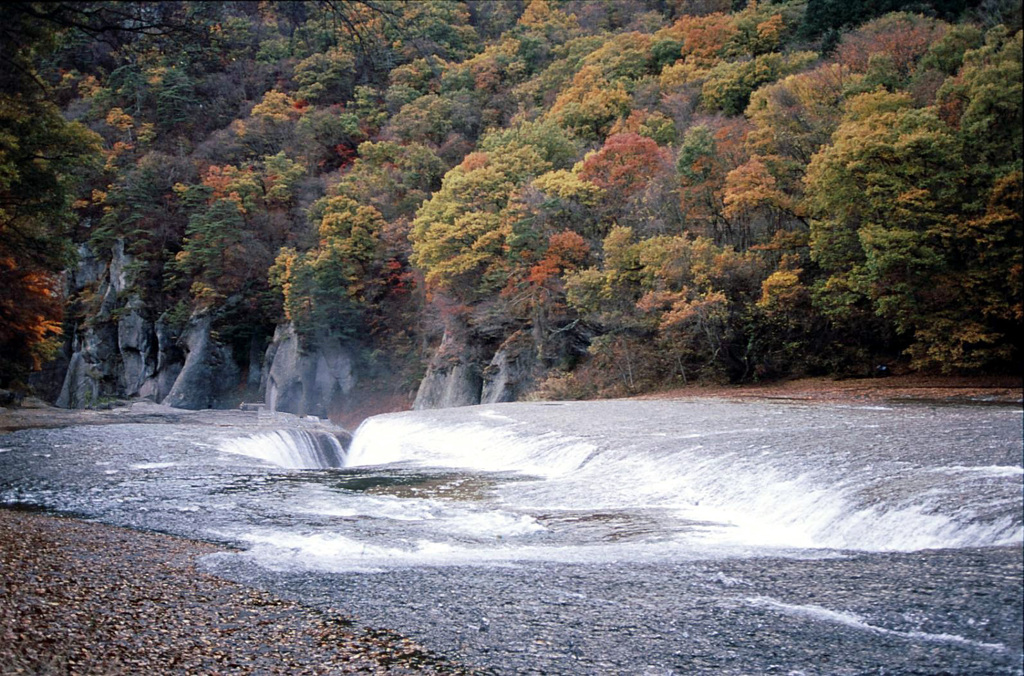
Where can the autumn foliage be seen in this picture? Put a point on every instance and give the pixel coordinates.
(632, 199)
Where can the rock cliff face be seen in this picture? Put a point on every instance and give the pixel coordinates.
(209, 375)
(470, 368)
(456, 384)
(118, 351)
(306, 382)
(95, 369)
(169, 362)
(454, 375)
(512, 372)
(135, 338)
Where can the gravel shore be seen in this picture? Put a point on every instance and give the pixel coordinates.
(85, 598)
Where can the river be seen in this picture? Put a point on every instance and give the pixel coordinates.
(632, 537)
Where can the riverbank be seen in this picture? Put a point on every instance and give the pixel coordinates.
(890, 389)
(85, 598)
(37, 414)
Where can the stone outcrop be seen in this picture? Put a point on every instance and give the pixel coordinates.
(481, 365)
(116, 351)
(453, 377)
(81, 386)
(135, 338)
(120, 351)
(169, 361)
(512, 371)
(456, 385)
(303, 381)
(93, 366)
(209, 376)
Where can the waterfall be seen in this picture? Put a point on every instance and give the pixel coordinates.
(293, 449)
(752, 485)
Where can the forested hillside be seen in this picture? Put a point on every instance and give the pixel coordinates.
(488, 200)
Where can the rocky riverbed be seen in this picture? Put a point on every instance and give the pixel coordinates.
(85, 598)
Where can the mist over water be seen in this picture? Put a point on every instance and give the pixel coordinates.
(498, 509)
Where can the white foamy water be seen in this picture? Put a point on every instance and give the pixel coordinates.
(855, 621)
(384, 440)
(475, 520)
(293, 449)
(600, 537)
(745, 492)
(994, 470)
(332, 552)
(609, 481)
(151, 465)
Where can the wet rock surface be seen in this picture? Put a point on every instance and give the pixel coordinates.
(512, 371)
(453, 376)
(97, 367)
(450, 386)
(209, 375)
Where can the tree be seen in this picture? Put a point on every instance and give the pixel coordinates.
(427, 118)
(706, 156)
(823, 16)
(329, 136)
(280, 178)
(565, 201)
(669, 306)
(325, 289)
(458, 237)
(889, 228)
(624, 165)
(753, 201)
(271, 123)
(729, 85)
(325, 77)
(591, 104)
(793, 118)
(705, 39)
(895, 42)
(395, 179)
(983, 102)
(433, 28)
(43, 158)
(215, 259)
(553, 143)
(140, 209)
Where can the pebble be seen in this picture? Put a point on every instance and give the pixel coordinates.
(85, 598)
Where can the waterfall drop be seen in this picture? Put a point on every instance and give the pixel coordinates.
(746, 481)
(292, 449)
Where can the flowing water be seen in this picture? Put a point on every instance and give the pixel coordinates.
(600, 537)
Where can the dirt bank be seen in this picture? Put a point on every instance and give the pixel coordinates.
(904, 388)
